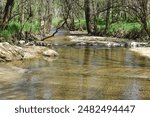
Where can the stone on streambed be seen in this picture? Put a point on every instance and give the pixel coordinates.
(10, 73)
(35, 51)
(10, 52)
(50, 53)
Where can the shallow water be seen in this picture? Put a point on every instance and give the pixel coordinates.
(78, 73)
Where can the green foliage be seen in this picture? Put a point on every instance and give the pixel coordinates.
(5, 34)
(15, 26)
(9, 30)
(124, 26)
(101, 21)
(80, 23)
(126, 30)
(31, 26)
(55, 22)
(128, 27)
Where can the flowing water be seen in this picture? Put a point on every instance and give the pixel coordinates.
(78, 73)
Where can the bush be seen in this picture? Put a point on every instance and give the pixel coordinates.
(31, 26)
(124, 26)
(5, 34)
(14, 27)
(55, 22)
(80, 24)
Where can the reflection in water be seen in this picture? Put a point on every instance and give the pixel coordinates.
(129, 60)
(31, 90)
(132, 91)
(133, 87)
(79, 73)
(86, 56)
(47, 93)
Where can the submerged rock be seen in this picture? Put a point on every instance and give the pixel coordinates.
(50, 53)
(36, 51)
(10, 52)
(11, 73)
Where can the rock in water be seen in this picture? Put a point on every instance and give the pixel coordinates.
(35, 51)
(10, 52)
(50, 53)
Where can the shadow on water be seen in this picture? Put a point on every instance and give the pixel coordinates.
(80, 73)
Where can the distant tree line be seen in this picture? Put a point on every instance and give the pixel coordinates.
(71, 13)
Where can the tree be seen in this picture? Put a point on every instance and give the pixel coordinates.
(1, 11)
(141, 10)
(7, 13)
(107, 19)
(87, 15)
(45, 16)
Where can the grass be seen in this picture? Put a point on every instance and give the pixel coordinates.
(124, 26)
(15, 26)
(5, 34)
(114, 27)
(55, 22)
(80, 23)
(31, 26)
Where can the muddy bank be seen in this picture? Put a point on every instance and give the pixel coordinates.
(142, 51)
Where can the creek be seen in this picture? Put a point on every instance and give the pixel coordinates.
(78, 73)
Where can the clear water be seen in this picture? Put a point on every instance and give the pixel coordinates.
(78, 73)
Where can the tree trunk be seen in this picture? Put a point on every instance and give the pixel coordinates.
(7, 13)
(1, 11)
(144, 16)
(48, 14)
(107, 20)
(87, 15)
(145, 26)
(30, 11)
(22, 11)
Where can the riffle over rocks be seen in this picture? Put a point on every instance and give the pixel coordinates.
(10, 52)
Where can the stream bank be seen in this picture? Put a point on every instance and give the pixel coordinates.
(105, 41)
(10, 52)
(32, 49)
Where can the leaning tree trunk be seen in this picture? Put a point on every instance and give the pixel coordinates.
(7, 13)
